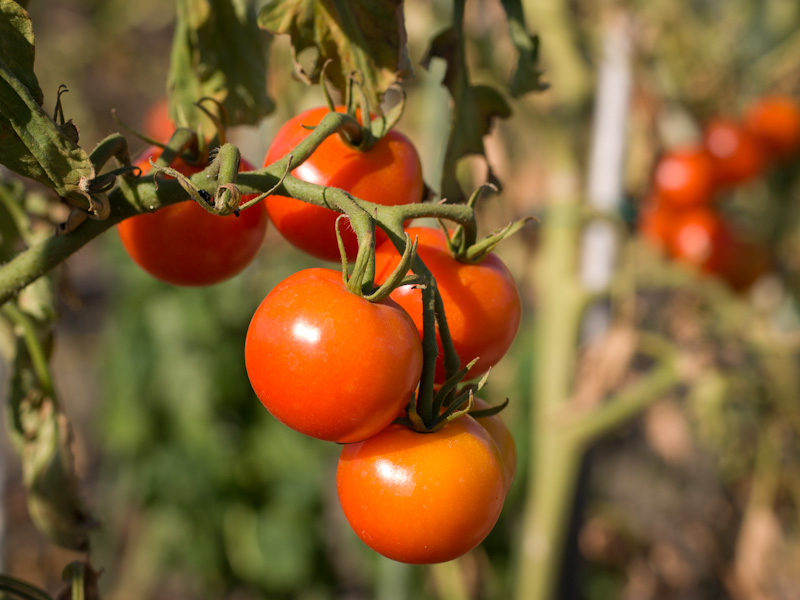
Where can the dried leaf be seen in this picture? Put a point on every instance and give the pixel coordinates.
(474, 109)
(367, 37)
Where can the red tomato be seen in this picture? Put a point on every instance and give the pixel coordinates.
(775, 122)
(328, 363)
(501, 435)
(655, 222)
(481, 300)
(389, 173)
(701, 238)
(422, 498)
(737, 155)
(183, 244)
(685, 177)
(157, 122)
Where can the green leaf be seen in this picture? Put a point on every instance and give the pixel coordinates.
(527, 76)
(16, 45)
(367, 37)
(218, 52)
(31, 143)
(474, 108)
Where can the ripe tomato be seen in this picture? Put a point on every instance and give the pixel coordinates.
(501, 435)
(655, 222)
(685, 177)
(328, 363)
(737, 155)
(183, 244)
(422, 498)
(389, 173)
(701, 238)
(775, 122)
(481, 300)
(157, 122)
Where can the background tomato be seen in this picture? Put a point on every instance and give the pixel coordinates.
(775, 121)
(328, 363)
(685, 177)
(481, 300)
(183, 244)
(389, 173)
(737, 155)
(422, 498)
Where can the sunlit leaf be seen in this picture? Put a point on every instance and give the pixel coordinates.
(31, 143)
(360, 36)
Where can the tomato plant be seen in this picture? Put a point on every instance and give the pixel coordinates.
(481, 300)
(389, 173)
(183, 244)
(685, 177)
(775, 121)
(328, 363)
(422, 497)
(737, 155)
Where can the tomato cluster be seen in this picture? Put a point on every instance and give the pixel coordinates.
(333, 365)
(681, 215)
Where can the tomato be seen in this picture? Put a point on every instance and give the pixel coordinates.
(775, 121)
(389, 173)
(157, 122)
(655, 222)
(422, 498)
(685, 177)
(328, 363)
(737, 155)
(481, 300)
(183, 244)
(501, 435)
(702, 239)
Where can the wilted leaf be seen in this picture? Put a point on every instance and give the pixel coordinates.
(360, 36)
(31, 143)
(527, 76)
(218, 52)
(38, 428)
(474, 108)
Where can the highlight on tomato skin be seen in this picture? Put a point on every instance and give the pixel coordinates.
(422, 498)
(328, 363)
(481, 300)
(183, 244)
(775, 121)
(389, 173)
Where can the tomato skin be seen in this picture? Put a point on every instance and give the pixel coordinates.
(422, 498)
(328, 363)
(738, 157)
(183, 244)
(389, 173)
(775, 121)
(685, 177)
(481, 300)
(502, 437)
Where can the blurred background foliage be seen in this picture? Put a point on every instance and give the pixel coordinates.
(203, 495)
